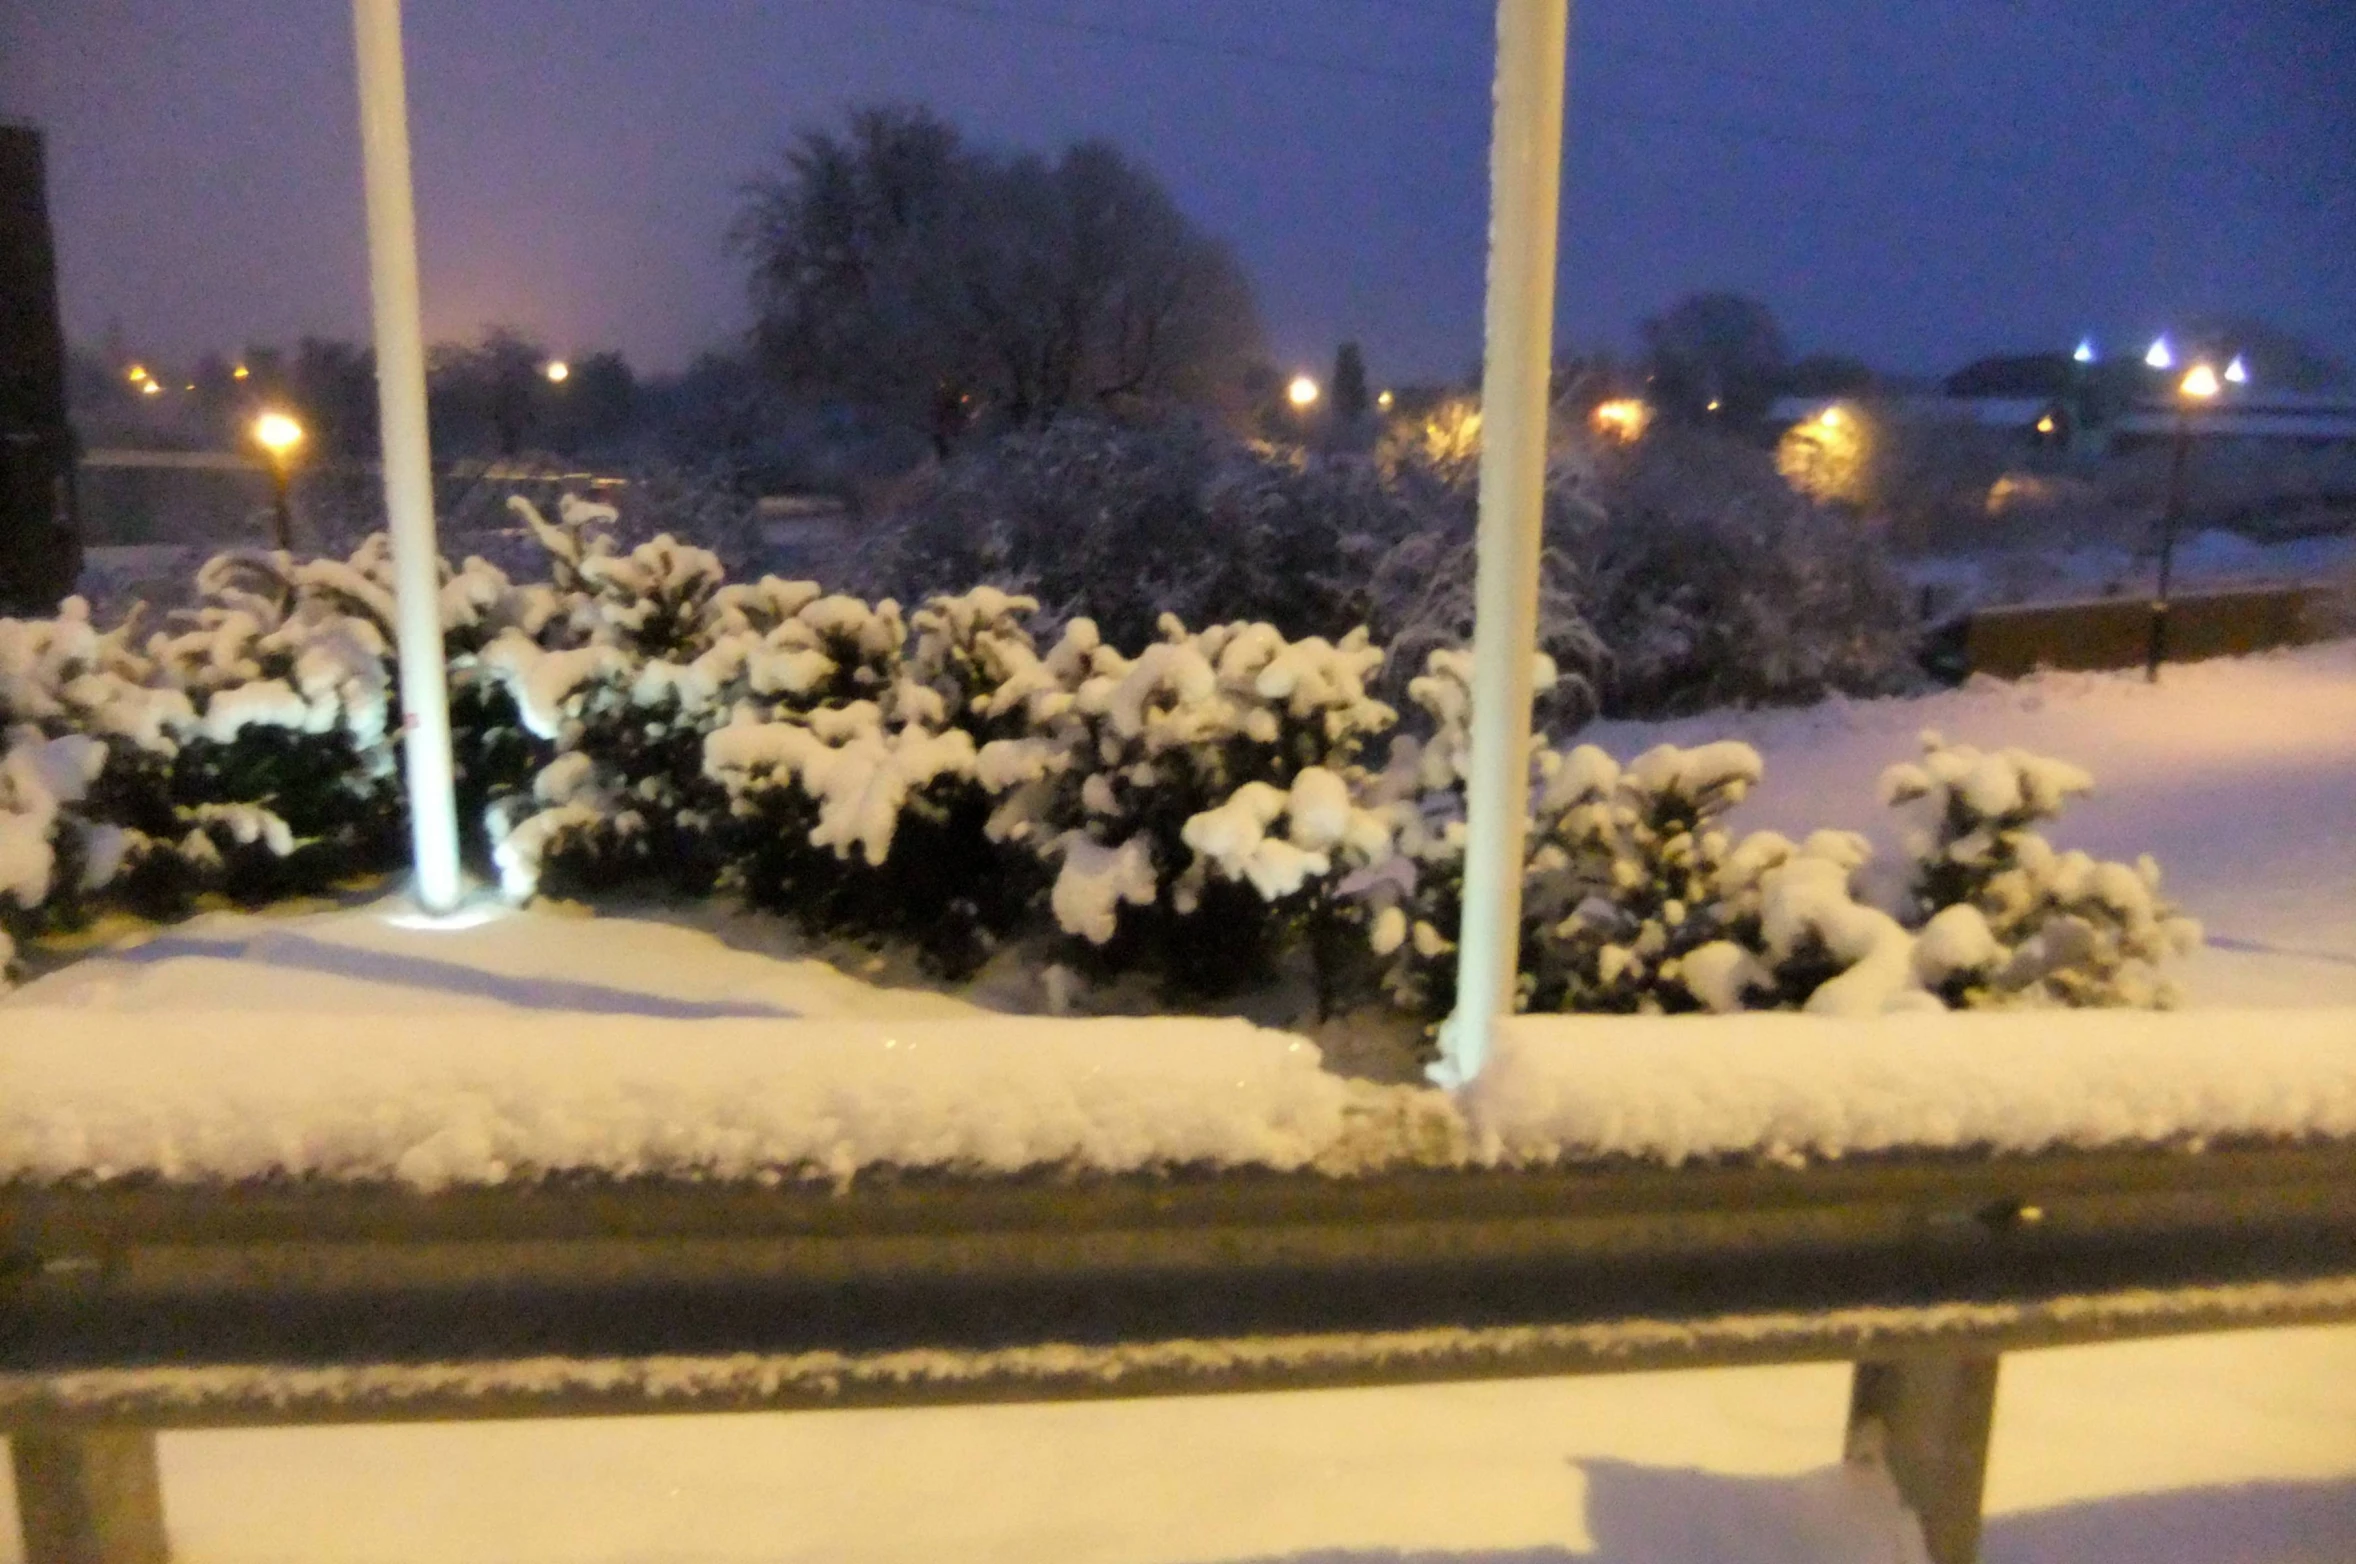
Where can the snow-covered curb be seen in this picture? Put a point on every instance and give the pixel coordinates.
(1567, 1088)
(472, 1100)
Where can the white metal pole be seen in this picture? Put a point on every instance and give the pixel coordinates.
(1525, 186)
(408, 470)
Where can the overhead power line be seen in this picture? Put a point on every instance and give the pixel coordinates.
(1121, 34)
(1476, 14)
(1215, 47)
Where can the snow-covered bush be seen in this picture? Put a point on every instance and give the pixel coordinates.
(1421, 602)
(2007, 919)
(643, 723)
(287, 765)
(1624, 869)
(246, 750)
(1713, 584)
(1121, 525)
(863, 822)
(1203, 810)
(859, 814)
(1636, 898)
(1793, 934)
(1678, 574)
(62, 693)
(1196, 800)
(614, 674)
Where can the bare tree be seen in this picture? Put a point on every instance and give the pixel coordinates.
(487, 392)
(1714, 357)
(939, 286)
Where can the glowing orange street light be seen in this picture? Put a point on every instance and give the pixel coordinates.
(278, 435)
(558, 371)
(1302, 393)
(239, 373)
(1622, 419)
(2200, 382)
(1384, 401)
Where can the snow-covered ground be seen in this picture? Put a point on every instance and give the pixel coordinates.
(2240, 777)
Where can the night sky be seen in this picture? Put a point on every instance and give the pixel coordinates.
(1915, 183)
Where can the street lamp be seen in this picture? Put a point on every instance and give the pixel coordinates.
(557, 371)
(278, 435)
(1385, 400)
(1302, 393)
(1623, 419)
(2159, 355)
(2200, 384)
(2237, 373)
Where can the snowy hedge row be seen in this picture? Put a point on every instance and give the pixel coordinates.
(1220, 802)
(1678, 574)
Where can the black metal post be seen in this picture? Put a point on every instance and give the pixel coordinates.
(282, 504)
(2169, 522)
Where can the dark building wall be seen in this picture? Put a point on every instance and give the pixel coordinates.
(40, 553)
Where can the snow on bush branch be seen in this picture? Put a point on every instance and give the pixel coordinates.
(1218, 803)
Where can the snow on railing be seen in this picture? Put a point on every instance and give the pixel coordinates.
(435, 1103)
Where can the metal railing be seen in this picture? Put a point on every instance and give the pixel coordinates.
(127, 1310)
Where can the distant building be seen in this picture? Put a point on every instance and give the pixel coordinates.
(2252, 417)
(2123, 403)
(40, 552)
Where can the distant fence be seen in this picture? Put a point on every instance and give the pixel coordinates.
(215, 498)
(2116, 632)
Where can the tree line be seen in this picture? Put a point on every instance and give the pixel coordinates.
(913, 291)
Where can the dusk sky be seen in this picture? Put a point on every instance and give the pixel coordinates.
(1915, 183)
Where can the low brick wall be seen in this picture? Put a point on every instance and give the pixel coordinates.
(2116, 632)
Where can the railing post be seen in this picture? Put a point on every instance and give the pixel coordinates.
(408, 467)
(1926, 1420)
(1525, 193)
(89, 1496)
